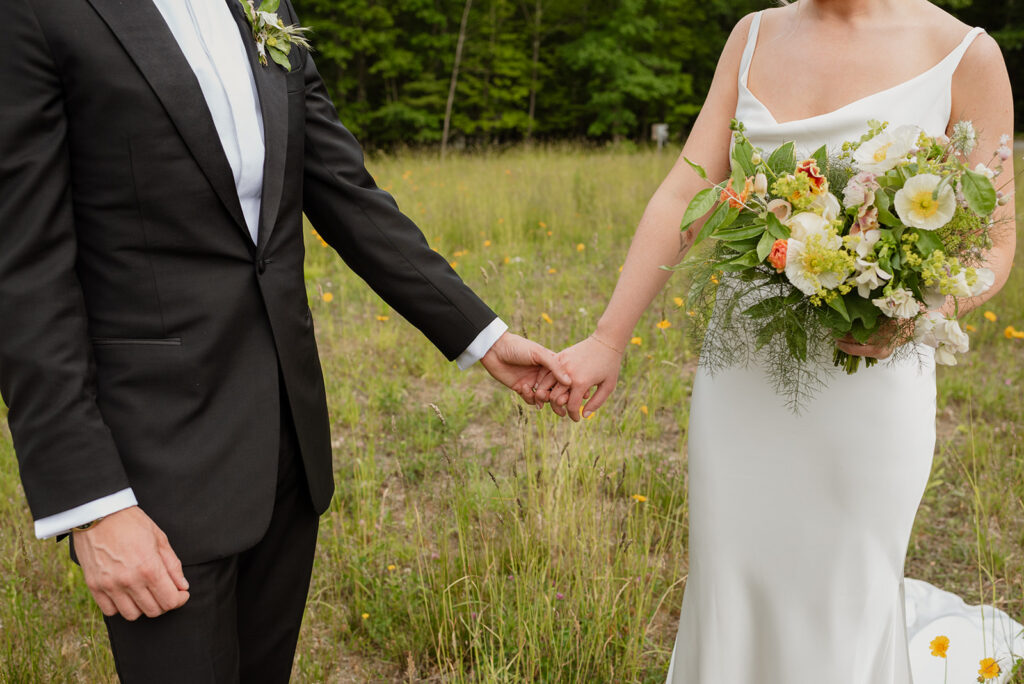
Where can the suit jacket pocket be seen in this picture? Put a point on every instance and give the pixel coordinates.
(127, 341)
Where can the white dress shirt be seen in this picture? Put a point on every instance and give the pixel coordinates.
(209, 37)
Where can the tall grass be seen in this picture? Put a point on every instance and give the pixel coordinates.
(475, 540)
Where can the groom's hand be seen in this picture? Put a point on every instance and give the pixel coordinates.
(129, 566)
(517, 363)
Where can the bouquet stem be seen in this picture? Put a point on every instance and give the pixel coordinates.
(851, 364)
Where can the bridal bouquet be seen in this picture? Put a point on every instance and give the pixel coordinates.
(868, 242)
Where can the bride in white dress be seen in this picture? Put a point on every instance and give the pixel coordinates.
(799, 525)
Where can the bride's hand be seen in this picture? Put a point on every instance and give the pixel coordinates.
(882, 344)
(592, 363)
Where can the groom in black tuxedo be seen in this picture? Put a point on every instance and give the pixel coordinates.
(156, 348)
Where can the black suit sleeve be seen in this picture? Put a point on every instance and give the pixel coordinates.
(363, 223)
(65, 451)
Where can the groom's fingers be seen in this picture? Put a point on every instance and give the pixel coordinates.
(173, 566)
(549, 359)
(544, 385)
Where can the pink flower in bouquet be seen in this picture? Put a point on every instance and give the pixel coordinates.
(809, 168)
(781, 208)
(860, 190)
(866, 220)
(777, 257)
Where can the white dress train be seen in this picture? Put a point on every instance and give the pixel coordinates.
(799, 525)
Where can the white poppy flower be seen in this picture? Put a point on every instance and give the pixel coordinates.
(828, 205)
(869, 276)
(986, 279)
(918, 207)
(795, 271)
(885, 150)
(900, 303)
(807, 281)
(944, 335)
(805, 224)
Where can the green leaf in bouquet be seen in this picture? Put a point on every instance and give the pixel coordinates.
(741, 246)
(839, 305)
(701, 204)
(740, 233)
(980, 193)
(928, 241)
(742, 262)
(697, 168)
(796, 337)
(863, 310)
(764, 246)
(861, 333)
(770, 330)
(821, 156)
(739, 178)
(767, 307)
(832, 320)
(886, 217)
(270, 5)
(723, 216)
(783, 160)
(776, 227)
(741, 154)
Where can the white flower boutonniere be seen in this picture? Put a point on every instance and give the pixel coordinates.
(271, 35)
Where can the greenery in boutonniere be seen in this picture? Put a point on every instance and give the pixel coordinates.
(271, 35)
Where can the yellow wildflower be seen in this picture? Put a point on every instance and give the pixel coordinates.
(639, 498)
(366, 616)
(1010, 332)
(328, 297)
(638, 341)
(542, 224)
(939, 646)
(691, 313)
(714, 279)
(383, 319)
(500, 221)
(620, 268)
(323, 243)
(664, 325)
(487, 243)
(971, 328)
(546, 318)
(580, 247)
(989, 668)
(550, 233)
(991, 316)
(644, 410)
(552, 271)
(391, 568)
(678, 301)
(454, 264)
(507, 260)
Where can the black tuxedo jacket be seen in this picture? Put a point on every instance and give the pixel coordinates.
(142, 333)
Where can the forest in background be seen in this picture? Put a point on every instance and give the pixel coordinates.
(544, 69)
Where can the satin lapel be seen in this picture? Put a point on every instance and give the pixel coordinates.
(273, 94)
(142, 32)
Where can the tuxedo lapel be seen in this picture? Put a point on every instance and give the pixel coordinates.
(141, 30)
(273, 96)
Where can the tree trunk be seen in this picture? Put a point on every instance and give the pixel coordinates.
(537, 24)
(455, 80)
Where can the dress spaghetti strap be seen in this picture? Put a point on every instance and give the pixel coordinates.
(748, 51)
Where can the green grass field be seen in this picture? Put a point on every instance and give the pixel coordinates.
(472, 539)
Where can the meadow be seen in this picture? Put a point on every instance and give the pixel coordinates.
(473, 539)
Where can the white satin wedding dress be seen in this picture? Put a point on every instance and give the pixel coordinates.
(799, 525)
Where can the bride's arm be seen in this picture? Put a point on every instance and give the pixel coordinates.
(981, 94)
(658, 242)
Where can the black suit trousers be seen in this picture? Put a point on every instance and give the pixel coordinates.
(241, 622)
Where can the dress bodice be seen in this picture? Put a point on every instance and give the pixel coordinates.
(924, 100)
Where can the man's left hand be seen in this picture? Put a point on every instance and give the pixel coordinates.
(518, 363)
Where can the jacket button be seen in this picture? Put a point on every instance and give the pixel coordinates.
(261, 266)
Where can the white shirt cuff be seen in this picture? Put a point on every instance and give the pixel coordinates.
(60, 523)
(482, 344)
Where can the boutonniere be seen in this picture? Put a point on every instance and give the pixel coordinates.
(271, 35)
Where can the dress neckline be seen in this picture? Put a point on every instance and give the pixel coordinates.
(956, 52)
